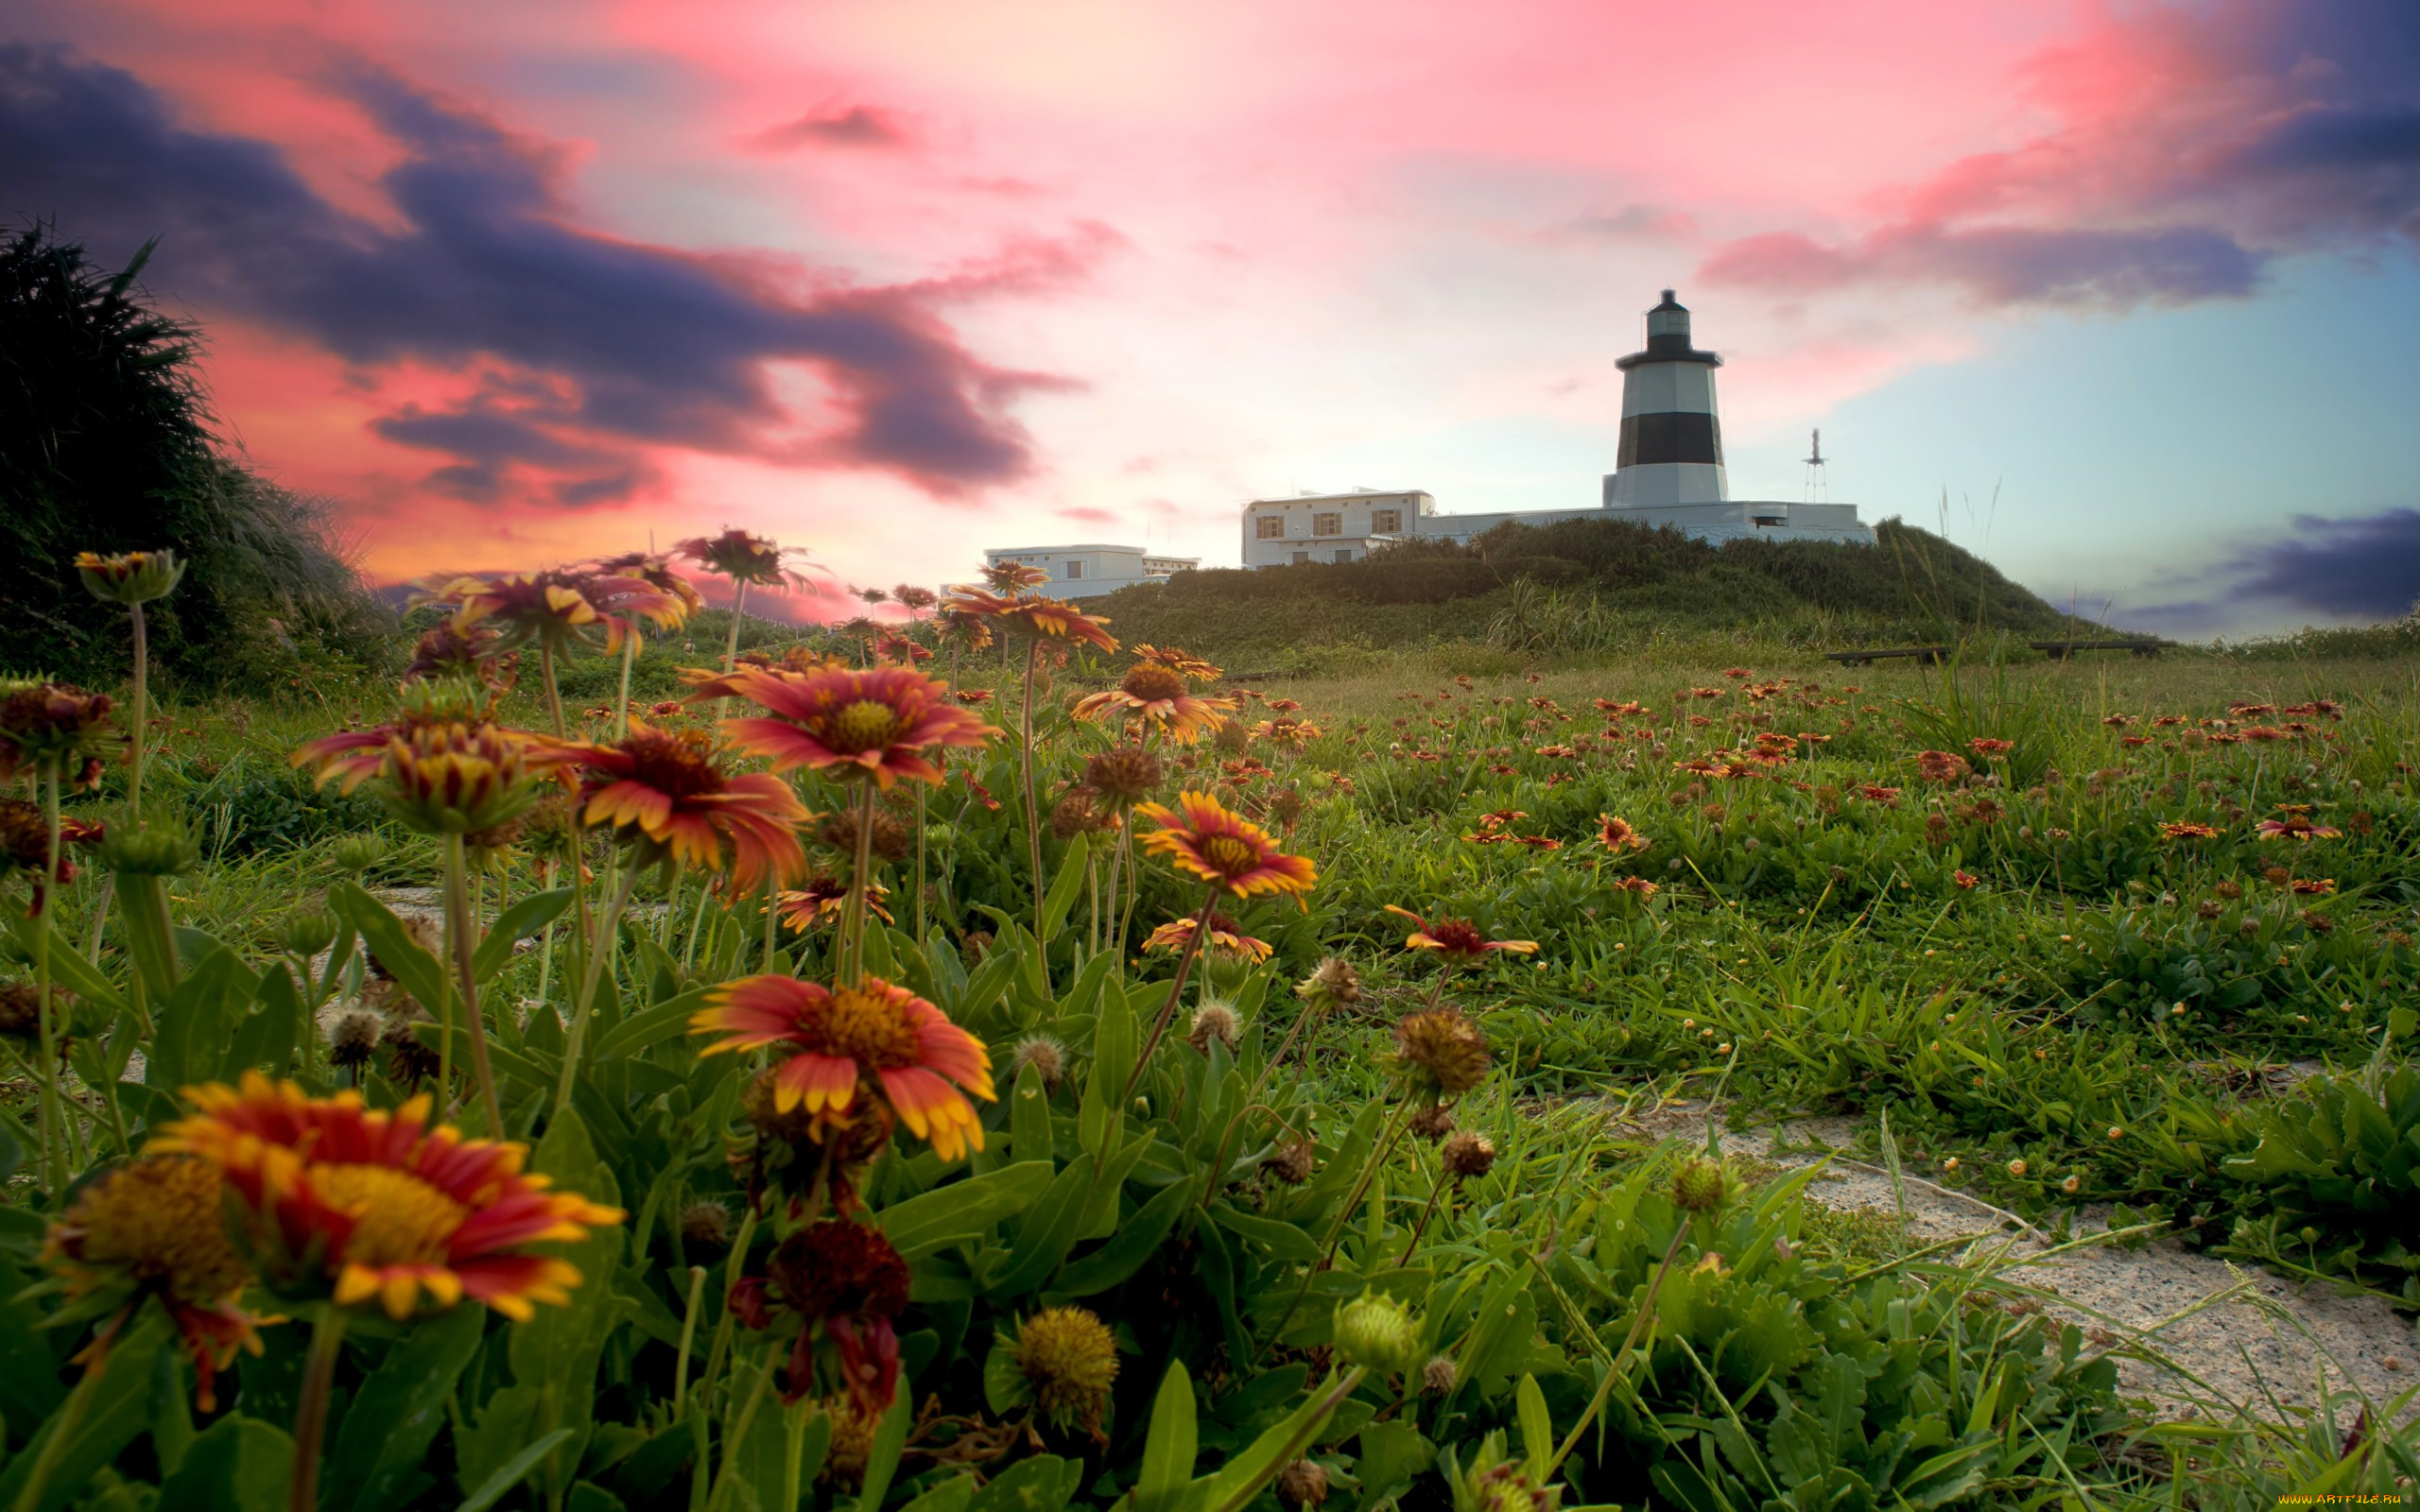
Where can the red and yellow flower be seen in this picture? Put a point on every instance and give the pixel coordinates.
(1224, 937)
(662, 793)
(1034, 615)
(1201, 836)
(2188, 830)
(1184, 664)
(843, 1278)
(824, 898)
(1619, 836)
(1159, 695)
(875, 723)
(1013, 577)
(741, 557)
(153, 1227)
(332, 1198)
(876, 1039)
(2296, 825)
(1457, 941)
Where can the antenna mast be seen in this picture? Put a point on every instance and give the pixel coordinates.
(1816, 489)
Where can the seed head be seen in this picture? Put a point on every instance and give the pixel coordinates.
(1336, 984)
(1293, 1163)
(1467, 1154)
(1700, 1186)
(893, 841)
(1441, 1051)
(1432, 1123)
(1438, 1376)
(1302, 1483)
(1216, 1021)
(1047, 1056)
(355, 1038)
(1066, 1354)
(705, 1224)
(1124, 776)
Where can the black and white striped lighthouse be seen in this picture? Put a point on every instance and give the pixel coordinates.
(1671, 446)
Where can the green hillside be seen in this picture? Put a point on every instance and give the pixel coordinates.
(1582, 586)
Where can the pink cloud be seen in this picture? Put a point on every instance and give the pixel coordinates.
(833, 125)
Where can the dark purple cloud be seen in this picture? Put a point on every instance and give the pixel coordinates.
(643, 344)
(858, 125)
(2199, 145)
(2362, 567)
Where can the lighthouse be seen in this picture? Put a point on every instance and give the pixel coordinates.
(1671, 441)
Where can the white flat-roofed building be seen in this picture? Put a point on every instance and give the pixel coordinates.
(1089, 571)
(1669, 470)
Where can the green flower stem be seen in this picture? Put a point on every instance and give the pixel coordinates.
(720, 1350)
(600, 949)
(54, 1115)
(142, 677)
(458, 927)
(731, 641)
(853, 918)
(622, 699)
(70, 1419)
(737, 1434)
(1176, 991)
(1033, 813)
(554, 693)
(919, 863)
(1619, 1365)
(688, 1337)
(311, 1412)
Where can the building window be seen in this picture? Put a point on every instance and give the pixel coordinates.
(1328, 524)
(1386, 522)
(1302, 559)
(1270, 527)
(1344, 552)
(1770, 520)
(1075, 569)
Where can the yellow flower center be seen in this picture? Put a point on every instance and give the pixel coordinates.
(159, 1218)
(1153, 685)
(398, 1219)
(1231, 855)
(863, 726)
(1068, 1355)
(868, 1029)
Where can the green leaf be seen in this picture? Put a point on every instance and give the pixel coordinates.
(950, 1496)
(513, 1472)
(1393, 1454)
(962, 1209)
(1244, 1475)
(1030, 1116)
(1171, 1446)
(69, 970)
(1046, 1235)
(516, 923)
(1129, 1248)
(265, 1039)
(1066, 886)
(238, 1465)
(667, 1020)
(1113, 1047)
(1282, 1239)
(1537, 1428)
(1042, 1484)
(112, 1418)
(191, 1026)
(1005, 1386)
(882, 1458)
(381, 1450)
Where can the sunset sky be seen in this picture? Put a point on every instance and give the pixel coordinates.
(2127, 296)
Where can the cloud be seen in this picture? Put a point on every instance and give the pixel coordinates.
(483, 264)
(2194, 148)
(858, 125)
(2353, 568)
(1085, 514)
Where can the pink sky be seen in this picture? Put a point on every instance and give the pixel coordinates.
(900, 279)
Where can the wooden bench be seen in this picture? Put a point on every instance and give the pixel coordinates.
(2060, 650)
(1924, 655)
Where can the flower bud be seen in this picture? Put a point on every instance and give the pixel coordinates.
(129, 577)
(1377, 1334)
(307, 933)
(357, 853)
(160, 849)
(1700, 1186)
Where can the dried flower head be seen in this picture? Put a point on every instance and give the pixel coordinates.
(1123, 776)
(1302, 1484)
(1440, 1052)
(1069, 1361)
(353, 1038)
(1467, 1154)
(1047, 1057)
(891, 841)
(1432, 1123)
(1334, 984)
(705, 1224)
(1439, 1375)
(1212, 1020)
(1292, 1162)
(843, 1278)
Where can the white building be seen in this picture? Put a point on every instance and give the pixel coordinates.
(1089, 571)
(1667, 472)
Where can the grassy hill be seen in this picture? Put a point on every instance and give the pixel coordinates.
(1584, 585)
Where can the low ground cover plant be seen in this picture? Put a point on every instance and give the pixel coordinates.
(963, 1061)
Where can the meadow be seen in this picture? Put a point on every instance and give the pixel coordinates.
(1148, 1089)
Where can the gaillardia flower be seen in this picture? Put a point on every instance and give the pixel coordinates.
(846, 722)
(1179, 661)
(350, 757)
(666, 798)
(333, 1199)
(153, 1227)
(741, 557)
(2188, 830)
(1225, 935)
(1035, 616)
(2296, 825)
(1157, 694)
(842, 1277)
(129, 577)
(53, 729)
(461, 779)
(824, 898)
(1069, 1361)
(1457, 942)
(874, 1036)
(1204, 838)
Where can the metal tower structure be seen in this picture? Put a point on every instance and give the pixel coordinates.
(1815, 486)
